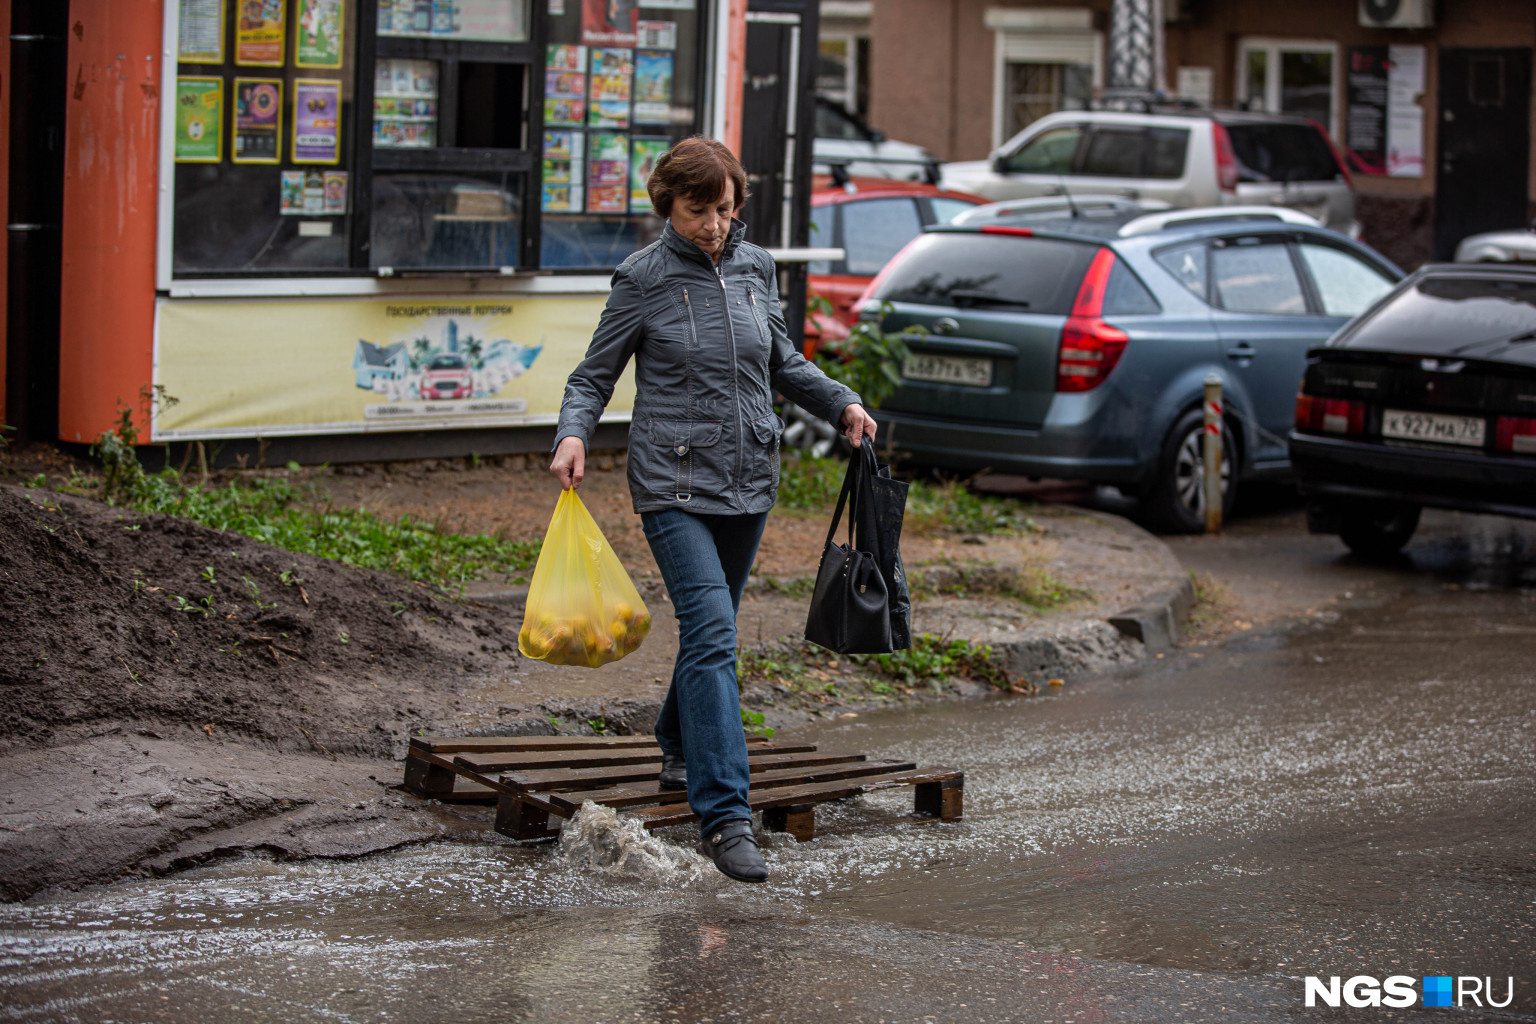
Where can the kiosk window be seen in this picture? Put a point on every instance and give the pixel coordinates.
(345, 137)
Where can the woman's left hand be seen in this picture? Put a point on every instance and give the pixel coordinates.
(858, 424)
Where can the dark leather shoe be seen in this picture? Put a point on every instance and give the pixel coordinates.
(734, 850)
(674, 773)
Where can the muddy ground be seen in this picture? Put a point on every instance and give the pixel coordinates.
(171, 694)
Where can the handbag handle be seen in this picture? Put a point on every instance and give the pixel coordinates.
(857, 486)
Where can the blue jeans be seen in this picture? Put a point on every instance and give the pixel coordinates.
(704, 560)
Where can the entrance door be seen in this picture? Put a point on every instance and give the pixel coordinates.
(778, 119)
(1485, 111)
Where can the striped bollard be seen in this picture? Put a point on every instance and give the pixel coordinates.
(1213, 427)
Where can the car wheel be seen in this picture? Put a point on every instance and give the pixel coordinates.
(1377, 529)
(1175, 501)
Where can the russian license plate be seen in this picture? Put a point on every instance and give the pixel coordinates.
(948, 369)
(1433, 427)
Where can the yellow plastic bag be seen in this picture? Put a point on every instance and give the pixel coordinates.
(582, 607)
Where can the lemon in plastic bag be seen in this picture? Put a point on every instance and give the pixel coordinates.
(583, 609)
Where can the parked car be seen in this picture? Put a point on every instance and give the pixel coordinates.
(1428, 400)
(1514, 246)
(1185, 158)
(846, 144)
(447, 376)
(870, 219)
(1078, 347)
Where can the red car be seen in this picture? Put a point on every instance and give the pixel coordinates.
(870, 219)
(447, 376)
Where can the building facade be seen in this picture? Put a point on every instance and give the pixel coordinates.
(1430, 100)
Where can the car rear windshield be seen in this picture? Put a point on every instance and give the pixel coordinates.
(1452, 315)
(984, 271)
(1282, 152)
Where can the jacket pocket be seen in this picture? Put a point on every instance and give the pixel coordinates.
(768, 430)
(683, 451)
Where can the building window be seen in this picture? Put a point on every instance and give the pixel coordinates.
(1289, 78)
(1046, 59)
(1031, 91)
(842, 70)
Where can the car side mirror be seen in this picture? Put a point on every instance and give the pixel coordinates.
(1000, 164)
(876, 135)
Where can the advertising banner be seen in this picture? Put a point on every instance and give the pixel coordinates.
(258, 121)
(319, 34)
(199, 120)
(259, 33)
(267, 368)
(316, 121)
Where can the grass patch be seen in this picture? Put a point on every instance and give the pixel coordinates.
(811, 484)
(1033, 585)
(275, 510)
(933, 660)
(811, 673)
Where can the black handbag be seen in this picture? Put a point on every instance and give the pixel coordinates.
(851, 610)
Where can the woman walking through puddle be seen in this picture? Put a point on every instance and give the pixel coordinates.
(698, 311)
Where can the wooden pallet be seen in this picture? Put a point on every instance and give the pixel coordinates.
(530, 778)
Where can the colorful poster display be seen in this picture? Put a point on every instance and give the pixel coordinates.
(318, 33)
(497, 21)
(363, 363)
(199, 120)
(200, 32)
(335, 193)
(563, 171)
(258, 121)
(608, 172)
(609, 22)
(643, 156)
(316, 121)
(612, 83)
(565, 85)
(259, 33)
(653, 87)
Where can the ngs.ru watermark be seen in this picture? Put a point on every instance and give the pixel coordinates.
(1398, 991)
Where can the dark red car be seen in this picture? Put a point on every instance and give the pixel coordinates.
(871, 219)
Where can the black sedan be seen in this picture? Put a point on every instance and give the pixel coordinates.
(1426, 399)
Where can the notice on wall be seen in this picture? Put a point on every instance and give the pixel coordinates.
(653, 87)
(643, 156)
(657, 35)
(200, 32)
(259, 33)
(608, 173)
(1405, 117)
(609, 22)
(1384, 122)
(612, 83)
(363, 363)
(199, 120)
(319, 33)
(258, 121)
(316, 121)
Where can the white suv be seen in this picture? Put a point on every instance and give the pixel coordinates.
(1203, 158)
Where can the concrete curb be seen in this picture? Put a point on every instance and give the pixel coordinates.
(1158, 621)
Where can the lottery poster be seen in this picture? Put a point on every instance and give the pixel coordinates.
(258, 121)
(319, 30)
(291, 193)
(335, 201)
(608, 172)
(653, 87)
(259, 33)
(609, 22)
(316, 121)
(563, 152)
(657, 35)
(643, 156)
(199, 120)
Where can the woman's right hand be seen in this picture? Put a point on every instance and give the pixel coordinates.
(569, 463)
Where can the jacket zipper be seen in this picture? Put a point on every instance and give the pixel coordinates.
(730, 332)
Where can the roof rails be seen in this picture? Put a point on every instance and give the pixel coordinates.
(1214, 215)
(838, 166)
(1088, 204)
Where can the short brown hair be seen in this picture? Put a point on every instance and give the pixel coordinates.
(696, 168)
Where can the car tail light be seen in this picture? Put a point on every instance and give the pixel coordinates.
(1338, 157)
(1330, 415)
(1004, 229)
(1090, 348)
(1226, 159)
(1515, 434)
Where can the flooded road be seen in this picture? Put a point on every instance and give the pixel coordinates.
(1353, 793)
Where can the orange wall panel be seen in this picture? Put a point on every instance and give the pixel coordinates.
(5, 177)
(111, 159)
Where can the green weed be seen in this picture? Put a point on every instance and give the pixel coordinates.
(752, 722)
(933, 660)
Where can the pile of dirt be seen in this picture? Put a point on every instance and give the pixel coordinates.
(113, 617)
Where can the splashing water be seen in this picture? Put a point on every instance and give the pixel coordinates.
(597, 839)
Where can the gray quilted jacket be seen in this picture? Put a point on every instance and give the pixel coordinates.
(710, 350)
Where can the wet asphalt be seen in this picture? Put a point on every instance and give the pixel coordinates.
(1349, 788)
